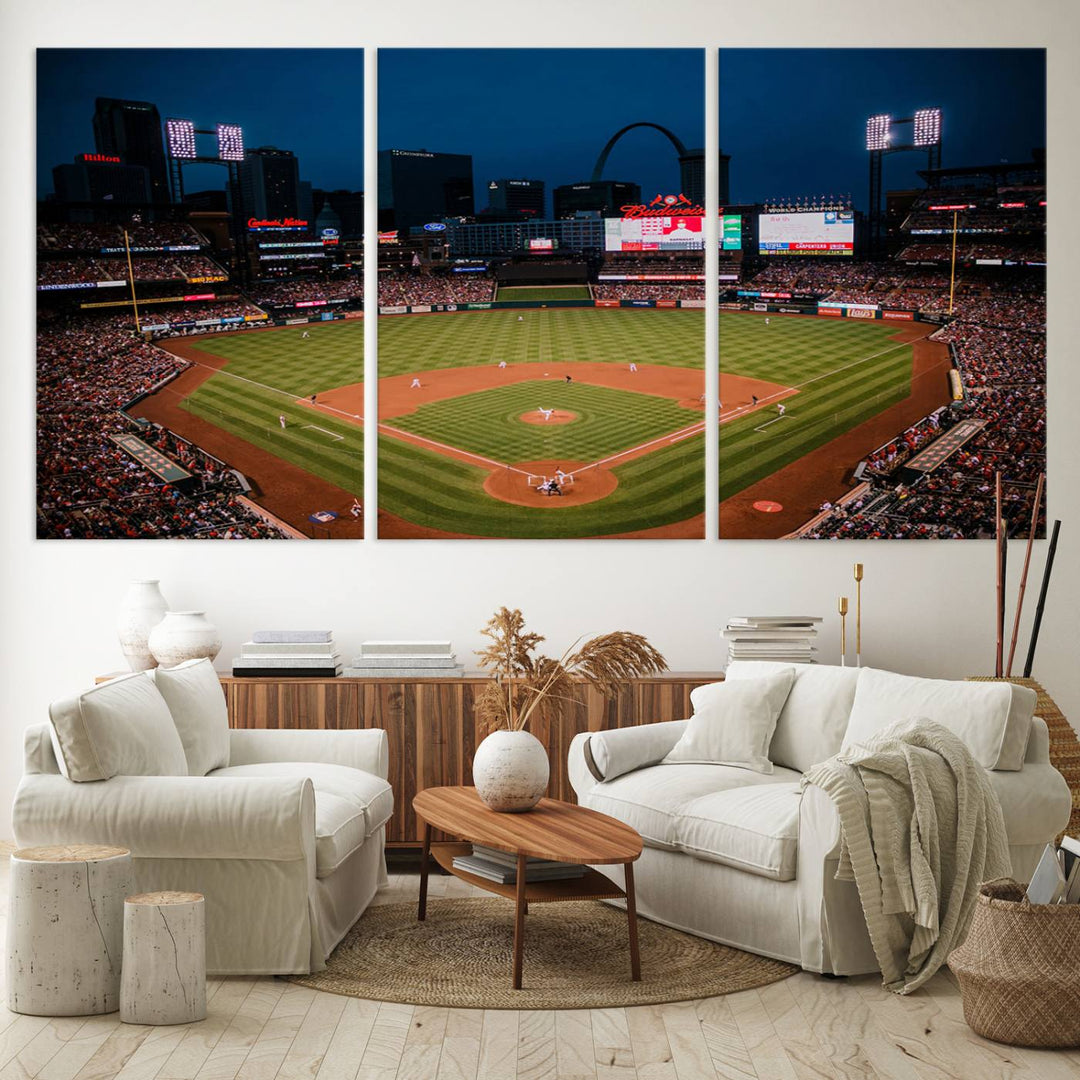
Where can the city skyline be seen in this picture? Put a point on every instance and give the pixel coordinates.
(188, 84)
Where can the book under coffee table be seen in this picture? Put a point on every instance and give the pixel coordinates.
(553, 830)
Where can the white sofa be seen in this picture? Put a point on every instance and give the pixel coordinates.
(742, 857)
(284, 834)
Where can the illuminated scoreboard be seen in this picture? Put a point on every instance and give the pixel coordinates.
(820, 232)
(674, 232)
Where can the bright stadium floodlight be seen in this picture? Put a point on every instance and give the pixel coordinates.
(180, 138)
(230, 141)
(877, 132)
(927, 124)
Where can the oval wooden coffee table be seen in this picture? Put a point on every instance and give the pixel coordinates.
(553, 830)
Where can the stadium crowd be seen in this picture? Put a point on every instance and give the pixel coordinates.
(75, 236)
(648, 290)
(113, 268)
(170, 316)
(287, 293)
(88, 369)
(418, 287)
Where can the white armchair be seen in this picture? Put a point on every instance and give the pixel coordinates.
(286, 841)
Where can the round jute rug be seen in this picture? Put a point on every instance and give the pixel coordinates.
(576, 957)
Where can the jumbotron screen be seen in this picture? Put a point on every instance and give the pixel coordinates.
(674, 233)
(819, 232)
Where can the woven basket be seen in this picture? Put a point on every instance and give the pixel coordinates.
(1019, 969)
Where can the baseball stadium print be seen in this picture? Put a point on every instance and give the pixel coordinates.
(200, 299)
(541, 293)
(882, 292)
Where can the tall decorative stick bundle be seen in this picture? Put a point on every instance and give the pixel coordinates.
(1037, 625)
(858, 614)
(1024, 572)
(999, 541)
(841, 607)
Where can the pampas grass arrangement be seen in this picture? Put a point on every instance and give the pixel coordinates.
(526, 684)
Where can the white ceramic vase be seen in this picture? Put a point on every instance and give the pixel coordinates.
(143, 607)
(184, 635)
(510, 771)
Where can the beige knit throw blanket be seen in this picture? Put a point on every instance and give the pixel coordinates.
(921, 829)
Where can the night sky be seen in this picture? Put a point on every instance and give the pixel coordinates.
(310, 101)
(545, 114)
(794, 120)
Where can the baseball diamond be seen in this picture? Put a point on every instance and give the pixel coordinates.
(505, 404)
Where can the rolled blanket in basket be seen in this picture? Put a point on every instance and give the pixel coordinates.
(920, 830)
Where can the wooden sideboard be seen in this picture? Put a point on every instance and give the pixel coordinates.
(431, 725)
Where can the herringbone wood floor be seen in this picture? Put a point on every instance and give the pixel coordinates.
(805, 1028)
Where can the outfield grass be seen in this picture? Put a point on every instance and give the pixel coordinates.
(669, 337)
(488, 421)
(846, 370)
(267, 372)
(662, 488)
(543, 292)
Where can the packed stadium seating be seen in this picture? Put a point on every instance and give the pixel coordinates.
(94, 237)
(421, 287)
(287, 293)
(88, 368)
(648, 290)
(114, 268)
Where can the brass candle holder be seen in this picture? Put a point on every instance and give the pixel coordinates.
(858, 613)
(842, 607)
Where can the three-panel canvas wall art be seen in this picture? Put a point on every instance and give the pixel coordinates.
(870, 235)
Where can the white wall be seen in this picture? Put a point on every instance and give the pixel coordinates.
(928, 607)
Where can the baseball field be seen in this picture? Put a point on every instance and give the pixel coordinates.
(477, 411)
(241, 385)
(846, 386)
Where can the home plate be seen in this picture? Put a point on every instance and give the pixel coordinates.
(767, 506)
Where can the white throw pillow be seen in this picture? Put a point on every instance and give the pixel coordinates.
(733, 722)
(812, 723)
(993, 720)
(193, 693)
(121, 728)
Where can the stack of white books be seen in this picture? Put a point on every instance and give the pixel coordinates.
(501, 866)
(405, 660)
(787, 639)
(296, 653)
(1057, 877)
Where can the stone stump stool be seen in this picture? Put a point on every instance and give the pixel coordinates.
(164, 980)
(65, 929)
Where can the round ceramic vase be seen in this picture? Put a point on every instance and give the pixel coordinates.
(184, 635)
(510, 771)
(143, 607)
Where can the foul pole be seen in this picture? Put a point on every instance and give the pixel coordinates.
(952, 267)
(131, 282)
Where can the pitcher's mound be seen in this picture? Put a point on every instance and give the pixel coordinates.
(558, 416)
(519, 484)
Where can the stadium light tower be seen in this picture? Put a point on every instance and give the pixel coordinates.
(885, 135)
(181, 148)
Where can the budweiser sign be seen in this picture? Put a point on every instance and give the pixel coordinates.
(663, 206)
